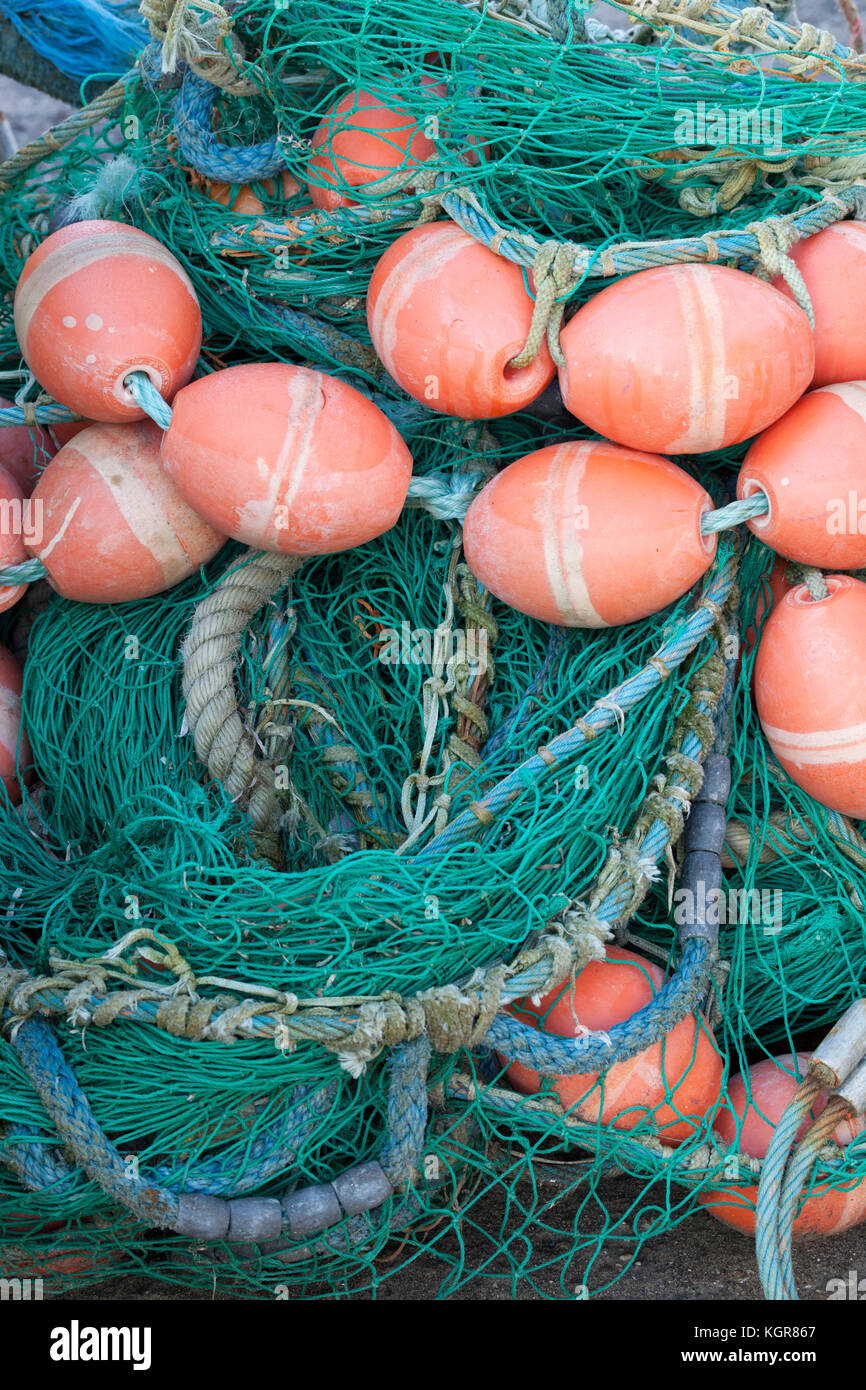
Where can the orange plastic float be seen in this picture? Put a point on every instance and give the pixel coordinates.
(24, 452)
(833, 266)
(114, 526)
(589, 534)
(98, 300)
(810, 691)
(447, 316)
(287, 459)
(245, 199)
(685, 358)
(747, 1126)
(15, 755)
(18, 518)
(810, 465)
(675, 1081)
(361, 140)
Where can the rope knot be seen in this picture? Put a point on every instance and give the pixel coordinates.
(775, 237)
(554, 276)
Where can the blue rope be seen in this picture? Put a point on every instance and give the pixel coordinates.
(200, 147)
(45, 415)
(80, 37)
(140, 386)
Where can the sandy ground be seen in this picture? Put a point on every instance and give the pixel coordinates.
(699, 1260)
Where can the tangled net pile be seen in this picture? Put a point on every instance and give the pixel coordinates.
(252, 1012)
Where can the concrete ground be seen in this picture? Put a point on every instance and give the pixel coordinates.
(700, 1259)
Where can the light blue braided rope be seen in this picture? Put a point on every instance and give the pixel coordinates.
(64, 1101)
(26, 573)
(770, 1187)
(725, 518)
(40, 1166)
(49, 414)
(140, 386)
(629, 256)
(407, 1110)
(201, 149)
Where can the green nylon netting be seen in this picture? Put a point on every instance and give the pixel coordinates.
(120, 831)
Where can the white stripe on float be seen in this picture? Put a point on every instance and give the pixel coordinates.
(60, 533)
(819, 738)
(422, 261)
(558, 505)
(851, 393)
(284, 475)
(704, 334)
(141, 508)
(72, 257)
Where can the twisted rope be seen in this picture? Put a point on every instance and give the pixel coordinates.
(223, 742)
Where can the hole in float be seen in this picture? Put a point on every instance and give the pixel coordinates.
(711, 539)
(801, 597)
(122, 392)
(748, 488)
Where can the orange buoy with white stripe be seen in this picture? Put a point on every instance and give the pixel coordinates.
(361, 140)
(17, 518)
(747, 1122)
(588, 534)
(810, 691)
(114, 526)
(98, 300)
(24, 452)
(810, 465)
(447, 316)
(15, 755)
(675, 1082)
(287, 459)
(685, 358)
(833, 266)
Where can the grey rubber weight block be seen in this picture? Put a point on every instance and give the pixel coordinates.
(362, 1189)
(701, 878)
(705, 827)
(311, 1209)
(206, 1218)
(254, 1219)
(716, 785)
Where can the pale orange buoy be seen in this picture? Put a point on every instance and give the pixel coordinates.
(747, 1122)
(810, 691)
(685, 358)
(114, 526)
(833, 266)
(287, 459)
(811, 466)
(68, 429)
(24, 452)
(245, 199)
(98, 300)
(18, 518)
(360, 140)
(15, 755)
(588, 534)
(675, 1082)
(447, 316)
